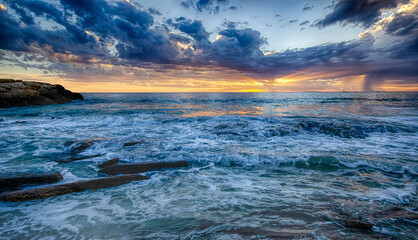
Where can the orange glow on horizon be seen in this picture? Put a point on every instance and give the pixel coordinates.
(291, 83)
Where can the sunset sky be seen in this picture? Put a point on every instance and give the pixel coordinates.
(212, 45)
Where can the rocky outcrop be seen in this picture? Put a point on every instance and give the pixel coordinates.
(75, 147)
(108, 163)
(128, 144)
(13, 182)
(61, 189)
(15, 93)
(366, 221)
(141, 167)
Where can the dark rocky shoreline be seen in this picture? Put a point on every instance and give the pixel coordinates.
(17, 93)
(13, 187)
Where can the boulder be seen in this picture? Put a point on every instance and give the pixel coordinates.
(108, 163)
(16, 93)
(141, 167)
(77, 146)
(20, 122)
(61, 189)
(128, 144)
(8, 183)
(397, 213)
(68, 159)
(366, 221)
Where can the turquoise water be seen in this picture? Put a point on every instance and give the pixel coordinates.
(262, 165)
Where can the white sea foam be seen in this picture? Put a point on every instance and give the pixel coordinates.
(251, 168)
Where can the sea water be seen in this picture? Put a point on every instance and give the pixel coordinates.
(262, 165)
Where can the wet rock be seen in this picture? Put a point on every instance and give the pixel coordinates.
(355, 223)
(20, 122)
(272, 234)
(74, 158)
(61, 189)
(397, 213)
(141, 167)
(77, 146)
(128, 144)
(108, 163)
(367, 219)
(15, 93)
(8, 183)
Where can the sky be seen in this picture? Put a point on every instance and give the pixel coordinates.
(212, 45)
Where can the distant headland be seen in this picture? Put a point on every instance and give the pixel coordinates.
(16, 93)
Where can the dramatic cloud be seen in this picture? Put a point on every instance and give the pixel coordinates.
(358, 12)
(403, 23)
(304, 23)
(307, 7)
(211, 6)
(119, 38)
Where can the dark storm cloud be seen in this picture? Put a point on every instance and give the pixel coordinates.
(404, 53)
(119, 33)
(194, 29)
(344, 54)
(403, 23)
(17, 37)
(304, 23)
(405, 26)
(357, 12)
(211, 6)
(121, 24)
(236, 46)
(154, 11)
(307, 7)
(407, 49)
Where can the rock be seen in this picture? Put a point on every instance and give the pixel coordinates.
(20, 122)
(61, 189)
(78, 146)
(8, 183)
(15, 93)
(72, 158)
(108, 163)
(141, 167)
(128, 144)
(355, 223)
(397, 213)
(366, 221)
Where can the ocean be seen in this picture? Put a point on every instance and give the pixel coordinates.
(261, 166)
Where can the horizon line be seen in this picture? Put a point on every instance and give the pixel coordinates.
(268, 92)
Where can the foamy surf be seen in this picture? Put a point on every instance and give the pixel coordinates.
(261, 165)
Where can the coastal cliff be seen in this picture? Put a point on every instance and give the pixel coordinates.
(15, 93)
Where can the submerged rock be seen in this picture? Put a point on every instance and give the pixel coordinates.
(108, 163)
(366, 220)
(397, 212)
(15, 93)
(68, 159)
(8, 183)
(77, 146)
(128, 144)
(356, 223)
(141, 167)
(61, 189)
(20, 121)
